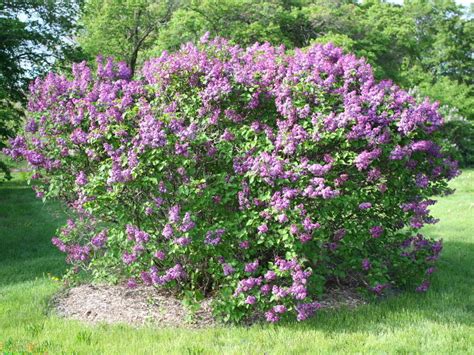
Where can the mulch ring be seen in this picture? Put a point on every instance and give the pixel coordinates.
(138, 306)
(150, 306)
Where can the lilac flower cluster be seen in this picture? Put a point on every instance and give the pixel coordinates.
(217, 158)
(306, 310)
(75, 252)
(100, 239)
(214, 237)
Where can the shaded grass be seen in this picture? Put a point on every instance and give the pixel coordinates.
(440, 321)
(26, 228)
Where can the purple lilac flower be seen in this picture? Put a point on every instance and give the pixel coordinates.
(280, 292)
(270, 276)
(251, 267)
(370, 113)
(271, 316)
(247, 284)
(306, 310)
(173, 215)
(416, 222)
(364, 159)
(309, 225)
(279, 309)
(262, 229)
(378, 289)
(227, 135)
(255, 126)
(250, 300)
(294, 229)
(136, 234)
(339, 234)
(70, 226)
(422, 180)
(151, 132)
(244, 244)
(123, 71)
(175, 273)
(36, 175)
(31, 126)
(77, 252)
(158, 201)
(374, 174)
(341, 179)
(162, 187)
(187, 223)
(81, 179)
(424, 286)
(285, 265)
(160, 255)
(182, 149)
(138, 249)
(266, 289)
(128, 258)
(167, 231)
(182, 241)
(399, 153)
(228, 269)
(142, 237)
(58, 243)
(425, 146)
(78, 136)
(214, 237)
(376, 231)
(148, 211)
(100, 239)
(132, 283)
(365, 205)
(146, 278)
(437, 247)
(305, 237)
(34, 158)
(366, 265)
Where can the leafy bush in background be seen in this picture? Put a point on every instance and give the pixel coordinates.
(461, 134)
(458, 130)
(252, 175)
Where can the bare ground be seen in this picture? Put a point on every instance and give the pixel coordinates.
(120, 304)
(147, 305)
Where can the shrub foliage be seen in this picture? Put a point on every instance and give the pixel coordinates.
(461, 134)
(253, 175)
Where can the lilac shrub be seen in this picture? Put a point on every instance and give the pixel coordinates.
(253, 175)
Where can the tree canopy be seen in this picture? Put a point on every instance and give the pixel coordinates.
(123, 28)
(34, 36)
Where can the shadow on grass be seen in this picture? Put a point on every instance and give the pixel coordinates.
(450, 301)
(26, 228)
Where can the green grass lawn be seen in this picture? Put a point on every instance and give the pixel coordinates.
(441, 321)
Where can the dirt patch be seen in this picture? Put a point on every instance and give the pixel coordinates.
(139, 306)
(341, 297)
(158, 307)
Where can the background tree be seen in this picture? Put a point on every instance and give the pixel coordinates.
(123, 28)
(243, 21)
(443, 67)
(34, 35)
